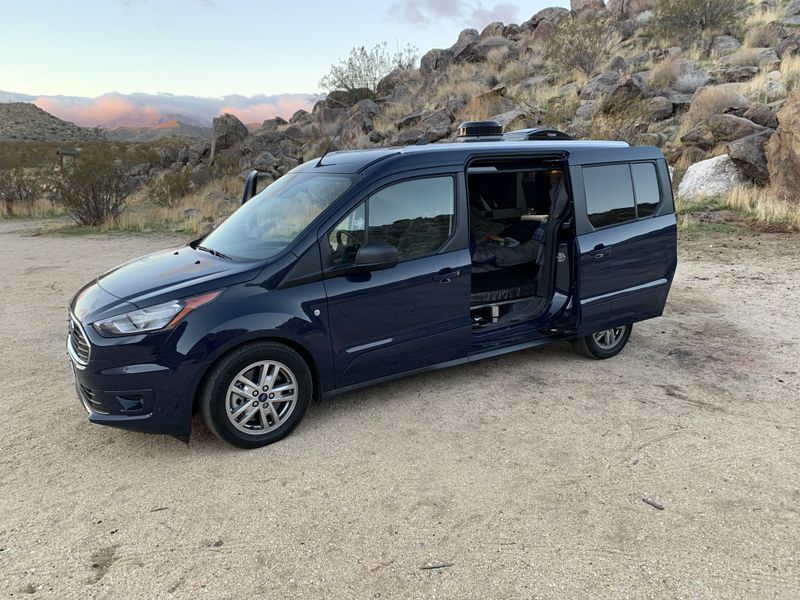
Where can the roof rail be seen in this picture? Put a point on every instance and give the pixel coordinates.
(536, 133)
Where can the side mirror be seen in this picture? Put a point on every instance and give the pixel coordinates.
(250, 186)
(376, 257)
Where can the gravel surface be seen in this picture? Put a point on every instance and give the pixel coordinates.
(672, 471)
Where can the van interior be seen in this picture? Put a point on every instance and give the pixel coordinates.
(515, 213)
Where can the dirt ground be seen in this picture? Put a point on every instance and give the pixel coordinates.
(520, 477)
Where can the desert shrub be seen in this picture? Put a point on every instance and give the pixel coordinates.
(93, 190)
(666, 74)
(19, 190)
(685, 20)
(559, 112)
(582, 44)
(624, 125)
(762, 36)
(365, 68)
(172, 188)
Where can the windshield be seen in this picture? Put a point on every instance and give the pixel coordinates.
(272, 220)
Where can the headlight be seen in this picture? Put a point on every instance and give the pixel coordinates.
(152, 318)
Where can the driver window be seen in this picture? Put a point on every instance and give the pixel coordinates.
(347, 237)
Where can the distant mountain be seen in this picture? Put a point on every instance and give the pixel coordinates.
(114, 110)
(167, 129)
(23, 121)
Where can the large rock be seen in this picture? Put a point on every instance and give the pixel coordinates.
(790, 45)
(709, 178)
(749, 154)
(763, 115)
(629, 8)
(511, 119)
(603, 84)
(435, 61)
(226, 131)
(435, 124)
(553, 14)
(783, 151)
(658, 108)
(463, 49)
(579, 5)
(727, 128)
(624, 95)
(725, 44)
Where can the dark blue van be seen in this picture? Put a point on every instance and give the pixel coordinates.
(364, 266)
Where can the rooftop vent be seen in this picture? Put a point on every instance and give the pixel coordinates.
(480, 131)
(537, 133)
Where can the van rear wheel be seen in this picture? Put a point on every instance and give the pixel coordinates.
(603, 344)
(256, 394)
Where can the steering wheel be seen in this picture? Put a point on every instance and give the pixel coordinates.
(350, 239)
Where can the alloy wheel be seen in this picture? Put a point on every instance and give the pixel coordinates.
(261, 397)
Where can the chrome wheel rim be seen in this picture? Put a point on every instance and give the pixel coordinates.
(261, 397)
(609, 338)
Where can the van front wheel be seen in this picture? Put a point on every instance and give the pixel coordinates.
(256, 394)
(603, 344)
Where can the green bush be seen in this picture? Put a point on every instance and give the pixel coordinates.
(685, 20)
(172, 188)
(19, 190)
(365, 68)
(583, 43)
(93, 190)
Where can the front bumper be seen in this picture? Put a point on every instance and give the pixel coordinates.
(148, 396)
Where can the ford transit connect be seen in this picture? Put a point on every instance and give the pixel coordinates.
(369, 265)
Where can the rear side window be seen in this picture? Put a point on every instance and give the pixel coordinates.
(609, 195)
(648, 193)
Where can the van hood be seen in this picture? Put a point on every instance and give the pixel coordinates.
(176, 273)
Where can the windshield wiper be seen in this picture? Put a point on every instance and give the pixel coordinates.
(214, 252)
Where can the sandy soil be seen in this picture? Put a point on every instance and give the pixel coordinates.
(521, 477)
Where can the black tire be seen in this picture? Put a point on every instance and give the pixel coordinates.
(216, 398)
(590, 347)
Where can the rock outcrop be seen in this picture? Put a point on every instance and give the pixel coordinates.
(226, 131)
(783, 151)
(709, 178)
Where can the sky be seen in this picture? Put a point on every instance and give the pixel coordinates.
(217, 48)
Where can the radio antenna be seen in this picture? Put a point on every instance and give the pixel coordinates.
(331, 143)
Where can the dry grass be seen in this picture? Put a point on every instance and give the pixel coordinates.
(745, 57)
(762, 36)
(193, 214)
(790, 68)
(40, 209)
(709, 101)
(481, 108)
(762, 206)
(665, 75)
(762, 15)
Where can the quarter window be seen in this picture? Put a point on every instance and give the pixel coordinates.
(417, 217)
(648, 194)
(609, 195)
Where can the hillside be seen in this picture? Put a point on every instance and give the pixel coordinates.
(21, 121)
(168, 129)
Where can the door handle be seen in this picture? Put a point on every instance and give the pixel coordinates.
(447, 275)
(600, 251)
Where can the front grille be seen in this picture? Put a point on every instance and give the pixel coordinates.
(78, 343)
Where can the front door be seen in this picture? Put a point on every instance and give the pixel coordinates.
(627, 251)
(415, 314)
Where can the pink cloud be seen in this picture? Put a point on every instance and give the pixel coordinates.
(285, 107)
(149, 110)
